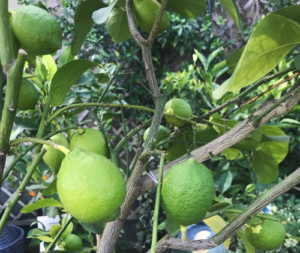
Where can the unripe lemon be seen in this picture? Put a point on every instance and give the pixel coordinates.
(267, 235)
(146, 12)
(28, 97)
(37, 30)
(90, 186)
(187, 192)
(180, 108)
(163, 133)
(91, 140)
(54, 157)
(72, 242)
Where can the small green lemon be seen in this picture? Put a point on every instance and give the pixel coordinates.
(72, 242)
(113, 216)
(266, 236)
(176, 149)
(180, 108)
(187, 192)
(146, 12)
(37, 30)
(28, 97)
(91, 140)
(163, 133)
(54, 157)
(90, 186)
(203, 133)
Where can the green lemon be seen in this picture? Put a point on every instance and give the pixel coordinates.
(266, 236)
(176, 149)
(187, 192)
(90, 186)
(163, 133)
(91, 140)
(54, 157)
(72, 242)
(180, 108)
(28, 97)
(203, 133)
(113, 216)
(37, 30)
(146, 12)
(14, 41)
(187, 9)
(250, 142)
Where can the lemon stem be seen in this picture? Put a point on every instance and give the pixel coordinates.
(80, 130)
(183, 230)
(63, 149)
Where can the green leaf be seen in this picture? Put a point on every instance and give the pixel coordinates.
(50, 66)
(65, 77)
(218, 206)
(233, 59)
(38, 232)
(40, 204)
(43, 238)
(96, 228)
(54, 230)
(84, 22)
(234, 189)
(265, 167)
(101, 15)
(233, 11)
(161, 226)
(272, 38)
(218, 67)
(51, 189)
(171, 227)
(213, 55)
(292, 121)
(223, 125)
(117, 25)
(102, 77)
(231, 153)
(65, 57)
(224, 179)
(297, 61)
(203, 60)
(248, 246)
(278, 150)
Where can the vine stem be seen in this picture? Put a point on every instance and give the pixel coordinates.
(237, 99)
(21, 188)
(41, 130)
(30, 147)
(52, 244)
(157, 204)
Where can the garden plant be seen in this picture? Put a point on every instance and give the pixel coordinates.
(237, 135)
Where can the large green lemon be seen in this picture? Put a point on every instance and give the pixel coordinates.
(187, 192)
(176, 149)
(187, 8)
(37, 30)
(91, 140)
(146, 12)
(54, 157)
(28, 97)
(180, 108)
(90, 186)
(266, 236)
(72, 242)
(163, 133)
(203, 133)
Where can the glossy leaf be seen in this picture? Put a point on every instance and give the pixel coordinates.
(233, 59)
(51, 189)
(50, 65)
(84, 22)
(272, 38)
(231, 153)
(65, 77)
(265, 167)
(224, 180)
(117, 25)
(101, 15)
(233, 11)
(40, 204)
(96, 228)
(171, 227)
(65, 57)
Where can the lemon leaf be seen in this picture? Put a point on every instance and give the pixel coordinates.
(265, 167)
(233, 11)
(65, 57)
(84, 22)
(40, 204)
(51, 189)
(65, 77)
